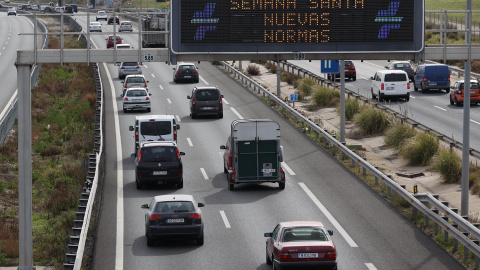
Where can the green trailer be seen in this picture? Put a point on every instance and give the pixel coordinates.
(253, 153)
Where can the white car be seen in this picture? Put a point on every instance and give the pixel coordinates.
(390, 84)
(59, 9)
(7, 1)
(136, 80)
(90, 5)
(34, 7)
(102, 15)
(95, 27)
(123, 46)
(12, 11)
(136, 98)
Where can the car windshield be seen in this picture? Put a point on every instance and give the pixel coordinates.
(174, 207)
(304, 234)
(156, 128)
(135, 80)
(129, 64)
(206, 95)
(473, 85)
(348, 63)
(159, 154)
(395, 77)
(136, 93)
(186, 67)
(402, 65)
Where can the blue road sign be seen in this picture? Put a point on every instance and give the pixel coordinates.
(329, 66)
(293, 97)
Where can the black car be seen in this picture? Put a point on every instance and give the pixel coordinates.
(403, 65)
(75, 8)
(206, 100)
(69, 9)
(185, 72)
(158, 162)
(173, 216)
(113, 20)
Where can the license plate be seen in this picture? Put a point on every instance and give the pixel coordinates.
(208, 108)
(175, 220)
(268, 170)
(390, 88)
(160, 173)
(187, 77)
(307, 255)
(135, 85)
(433, 83)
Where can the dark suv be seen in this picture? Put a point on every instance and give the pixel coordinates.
(206, 100)
(158, 162)
(350, 72)
(113, 20)
(402, 65)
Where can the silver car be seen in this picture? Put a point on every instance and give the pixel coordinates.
(135, 99)
(125, 26)
(128, 68)
(95, 27)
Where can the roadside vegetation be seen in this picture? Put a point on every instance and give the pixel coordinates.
(63, 113)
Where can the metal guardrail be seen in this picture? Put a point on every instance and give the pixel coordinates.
(323, 81)
(419, 205)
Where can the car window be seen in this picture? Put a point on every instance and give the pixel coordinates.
(136, 93)
(395, 77)
(297, 234)
(186, 67)
(174, 207)
(402, 65)
(206, 95)
(135, 80)
(348, 63)
(378, 78)
(275, 232)
(159, 154)
(473, 85)
(156, 128)
(129, 64)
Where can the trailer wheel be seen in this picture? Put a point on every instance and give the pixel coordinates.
(231, 186)
(281, 185)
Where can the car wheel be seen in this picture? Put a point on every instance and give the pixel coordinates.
(380, 97)
(149, 109)
(422, 88)
(447, 90)
(150, 242)
(354, 78)
(458, 104)
(267, 259)
(124, 110)
(231, 186)
(415, 87)
(194, 115)
(138, 184)
(200, 241)
(451, 101)
(220, 115)
(373, 95)
(281, 185)
(180, 185)
(225, 169)
(407, 97)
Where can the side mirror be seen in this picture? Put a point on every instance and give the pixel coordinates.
(118, 65)
(371, 78)
(150, 94)
(267, 234)
(133, 155)
(182, 153)
(145, 206)
(130, 128)
(173, 68)
(330, 232)
(201, 204)
(280, 158)
(221, 96)
(223, 147)
(189, 97)
(148, 81)
(386, 67)
(122, 81)
(178, 126)
(121, 95)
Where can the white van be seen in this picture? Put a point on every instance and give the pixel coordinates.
(390, 84)
(154, 128)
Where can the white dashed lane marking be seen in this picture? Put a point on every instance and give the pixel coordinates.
(169, 101)
(203, 80)
(440, 108)
(287, 168)
(225, 220)
(370, 266)
(189, 142)
(225, 101)
(236, 113)
(178, 118)
(161, 87)
(204, 173)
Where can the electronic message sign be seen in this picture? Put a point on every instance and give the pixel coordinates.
(279, 26)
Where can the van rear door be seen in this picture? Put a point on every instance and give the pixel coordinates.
(396, 83)
(156, 130)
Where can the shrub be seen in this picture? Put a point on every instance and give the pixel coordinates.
(324, 96)
(306, 86)
(352, 107)
(474, 179)
(290, 78)
(272, 67)
(420, 149)
(253, 70)
(449, 165)
(371, 121)
(398, 134)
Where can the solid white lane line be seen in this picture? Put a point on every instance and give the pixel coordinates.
(440, 108)
(189, 142)
(475, 122)
(225, 101)
(203, 80)
(225, 219)
(235, 112)
(9, 104)
(370, 266)
(153, 75)
(329, 216)
(178, 118)
(287, 168)
(220, 154)
(161, 87)
(145, 66)
(204, 173)
(169, 101)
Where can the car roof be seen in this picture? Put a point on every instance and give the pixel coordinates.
(390, 71)
(158, 143)
(301, 223)
(182, 63)
(206, 88)
(471, 81)
(136, 88)
(135, 75)
(173, 197)
(400, 62)
(156, 117)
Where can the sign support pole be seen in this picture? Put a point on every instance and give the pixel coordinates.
(342, 101)
(279, 92)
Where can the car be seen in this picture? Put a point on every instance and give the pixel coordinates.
(127, 68)
(7, 1)
(29, 7)
(111, 40)
(125, 26)
(61, 10)
(160, 127)
(35, 7)
(12, 11)
(390, 84)
(1, 6)
(173, 216)
(69, 9)
(42, 8)
(158, 162)
(134, 81)
(185, 71)
(123, 46)
(95, 26)
(30, 2)
(51, 4)
(101, 15)
(75, 8)
(90, 5)
(350, 72)
(113, 20)
(456, 93)
(136, 99)
(402, 65)
(47, 8)
(432, 76)
(206, 101)
(301, 245)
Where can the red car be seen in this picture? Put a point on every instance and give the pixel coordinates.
(350, 72)
(111, 42)
(456, 95)
(301, 245)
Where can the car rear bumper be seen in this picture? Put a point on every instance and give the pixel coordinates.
(155, 180)
(200, 111)
(395, 93)
(175, 231)
(186, 77)
(125, 73)
(131, 106)
(305, 265)
(473, 99)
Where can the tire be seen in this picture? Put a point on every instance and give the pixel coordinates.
(458, 104)
(194, 115)
(97, 20)
(139, 186)
(197, 81)
(220, 115)
(225, 169)
(200, 241)
(354, 78)
(124, 110)
(373, 95)
(231, 186)
(415, 87)
(180, 185)
(150, 241)
(451, 101)
(422, 88)
(447, 90)
(380, 97)
(149, 109)
(407, 97)
(267, 259)
(281, 185)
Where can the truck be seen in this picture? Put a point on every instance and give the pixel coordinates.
(154, 40)
(253, 153)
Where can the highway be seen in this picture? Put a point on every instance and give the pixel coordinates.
(368, 232)
(431, 109)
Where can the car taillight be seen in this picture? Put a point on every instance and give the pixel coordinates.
(125, 98)
(448, 79)
(140, 155)
(408, 85)
(179, 157)
(194, 71)
(221, 103)
(230, 159)
(331, 255)
(282, 173)
(425, 79)
(175, 133)
(383, 86)
(179, 71)
(125, 86)
(195, 216)
(155, 217)
(138, 67)
(233, 175)
(148, 98)
(136, 134)
(411, 69)
(193, 102)
(285, 256)
(145, 85)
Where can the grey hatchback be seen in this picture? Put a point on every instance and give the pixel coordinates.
(205, 101)
(127, 68)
